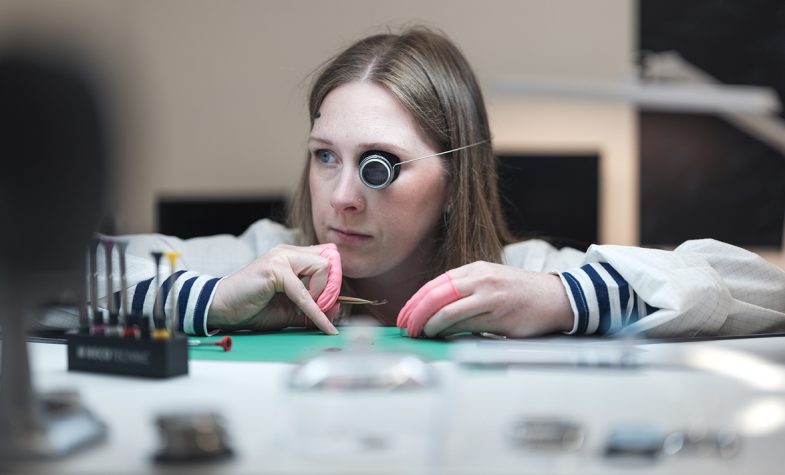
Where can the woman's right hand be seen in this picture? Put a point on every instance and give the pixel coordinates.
(279, 289)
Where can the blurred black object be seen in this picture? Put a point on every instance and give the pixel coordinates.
(188, 217)
(53, 166)
(53, 148)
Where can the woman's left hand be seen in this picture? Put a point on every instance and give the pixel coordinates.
(486, 297)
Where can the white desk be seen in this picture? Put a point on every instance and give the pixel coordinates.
(459, 428)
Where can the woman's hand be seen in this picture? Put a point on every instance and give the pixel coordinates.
(485, 297)
(279, 289)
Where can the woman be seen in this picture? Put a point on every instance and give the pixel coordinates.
(399, 194)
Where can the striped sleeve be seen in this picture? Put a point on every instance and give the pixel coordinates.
(192, 293)
(602, 301)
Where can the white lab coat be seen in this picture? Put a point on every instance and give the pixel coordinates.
(703, 287)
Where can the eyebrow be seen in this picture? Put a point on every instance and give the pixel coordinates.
(312, 139)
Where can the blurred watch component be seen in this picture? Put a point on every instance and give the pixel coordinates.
(722, 443)
(634, 442)
(63, 401)
(728, 443)
(352, 371)
(547, 434)
(192, 436)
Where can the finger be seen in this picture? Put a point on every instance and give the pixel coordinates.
(298, 294)
(332, 312)
(405, 314)
(310, 267)
(454, 314)
(314, 249)
(433, 300)
(317, 248)
(471, 324)
(332, 288)
(325, 284)
(315, 283)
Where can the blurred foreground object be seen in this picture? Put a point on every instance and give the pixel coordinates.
(53, 157)
(192, 436)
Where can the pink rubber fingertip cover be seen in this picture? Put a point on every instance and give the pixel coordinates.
(406, 311)
(437, 298)
(332, 289)
(426, 302)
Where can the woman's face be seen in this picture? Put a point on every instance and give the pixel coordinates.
(378, 232)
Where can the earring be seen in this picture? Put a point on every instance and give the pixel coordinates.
(446, 213)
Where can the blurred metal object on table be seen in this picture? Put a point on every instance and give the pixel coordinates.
(192, 437)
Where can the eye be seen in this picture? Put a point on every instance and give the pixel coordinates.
(325, 157)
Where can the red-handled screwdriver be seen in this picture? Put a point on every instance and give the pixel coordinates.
(225, 343)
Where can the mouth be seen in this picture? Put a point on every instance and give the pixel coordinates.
(348, 236)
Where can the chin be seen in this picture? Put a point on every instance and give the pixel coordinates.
(359, 270)
(354, 272)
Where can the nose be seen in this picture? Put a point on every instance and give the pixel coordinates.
(347, 196)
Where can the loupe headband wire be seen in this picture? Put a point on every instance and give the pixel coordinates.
(441, 153)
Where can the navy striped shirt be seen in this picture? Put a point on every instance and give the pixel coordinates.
(602, 300)
(192, 294)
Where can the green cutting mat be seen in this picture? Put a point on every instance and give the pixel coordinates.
(293, 345)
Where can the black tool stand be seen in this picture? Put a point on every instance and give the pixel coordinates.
(125, 356)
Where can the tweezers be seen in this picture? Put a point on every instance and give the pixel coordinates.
(358, 301)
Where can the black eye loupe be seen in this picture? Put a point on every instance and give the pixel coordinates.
(378, 169)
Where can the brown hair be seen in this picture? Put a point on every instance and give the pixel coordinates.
(433, 80)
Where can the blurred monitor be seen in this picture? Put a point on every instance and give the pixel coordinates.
(188, 217)
(551, 196)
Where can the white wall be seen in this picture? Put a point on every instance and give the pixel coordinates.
(214, 92)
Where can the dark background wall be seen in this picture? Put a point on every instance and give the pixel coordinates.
(701, 176)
